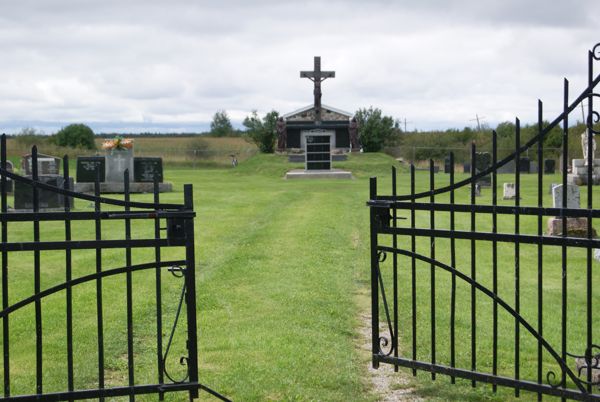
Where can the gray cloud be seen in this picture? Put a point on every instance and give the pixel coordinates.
(152, 63)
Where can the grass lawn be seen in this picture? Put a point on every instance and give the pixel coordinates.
(282, 278)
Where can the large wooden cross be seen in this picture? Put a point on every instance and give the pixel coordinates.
(317, 76)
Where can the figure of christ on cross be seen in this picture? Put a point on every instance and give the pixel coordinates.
(317, 76)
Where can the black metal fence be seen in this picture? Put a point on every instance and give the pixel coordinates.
(479, 289)
(68, 344)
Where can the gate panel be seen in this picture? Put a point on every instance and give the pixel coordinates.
(470, 286)
(135, 252)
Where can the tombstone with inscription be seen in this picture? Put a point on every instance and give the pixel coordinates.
(47, 164)
(146, 168)
(576, 226)
(46, 199)
(483, 161)
(87, 166)
(119, 157)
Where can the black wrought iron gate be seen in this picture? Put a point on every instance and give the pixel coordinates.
(479, 290)
(59, 347)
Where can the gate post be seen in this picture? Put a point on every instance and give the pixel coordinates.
(374, 273)
(190, 295)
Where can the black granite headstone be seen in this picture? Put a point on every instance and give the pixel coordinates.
(86, 168)
(549, 166)
(467, 167)
(483, 161)
(145, 168)
(47, 199)
(447, 166)
(524, 165)
(10, 185)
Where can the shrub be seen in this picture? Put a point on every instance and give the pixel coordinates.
(75, 136)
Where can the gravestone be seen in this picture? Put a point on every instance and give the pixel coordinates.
(467, 167)
(549, 166)
(573, 198)
(576, 227)
(483, 161)
(86, 168)
(509, 191)
(10, 185)
(524, 165)
(145, 168)
(116, 163)
(552, 185)
(509, 167)
(47, 164)
(47, 199)
(447, 166)
(477, 190)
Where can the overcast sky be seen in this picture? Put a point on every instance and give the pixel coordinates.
(169, 65)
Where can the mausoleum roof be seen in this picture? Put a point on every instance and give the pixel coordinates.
(304, 113)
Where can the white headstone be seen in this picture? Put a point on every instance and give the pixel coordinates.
(573, 200)
(509, 191)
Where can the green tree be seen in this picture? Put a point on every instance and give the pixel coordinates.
(75, 136)
(221, 124)
(374, 129)
(262, 132)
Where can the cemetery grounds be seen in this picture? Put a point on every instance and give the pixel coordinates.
(283, 290)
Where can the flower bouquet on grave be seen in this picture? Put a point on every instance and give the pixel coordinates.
(118, 144)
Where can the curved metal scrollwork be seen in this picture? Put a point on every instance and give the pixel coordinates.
(550, 379)
(594, 116)
(177, 272)
(381, 256)
(596, 51)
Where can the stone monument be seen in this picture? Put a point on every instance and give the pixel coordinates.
(579, 170)
(111, 170)
(576, 226)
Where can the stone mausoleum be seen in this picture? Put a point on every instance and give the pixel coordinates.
(317, 134)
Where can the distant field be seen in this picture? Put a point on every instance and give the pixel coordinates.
(183, 151)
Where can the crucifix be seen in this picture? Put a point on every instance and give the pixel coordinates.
(317, 76)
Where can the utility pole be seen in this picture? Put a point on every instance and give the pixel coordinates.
(478, 118)
(405, 124)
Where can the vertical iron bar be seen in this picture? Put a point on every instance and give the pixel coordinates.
(591, 166)
(374, 282)
(37, 278)
(517, 248)
(453, 263)
(495, 258)
(159, 325)
(5, 326)
(564, 231)
(473, 265)
(68, 276)
(99, 308)
(129, 285)
(395, 262)
(190, 278)
(432, 267)
(540, 279)
(413, 247)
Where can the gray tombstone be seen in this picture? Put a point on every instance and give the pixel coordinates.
(116, 163)
(509, 191)
(47, 165)
(47, 199)
(86, 168)
(552, 185)
(573, 200)
(145, 168)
